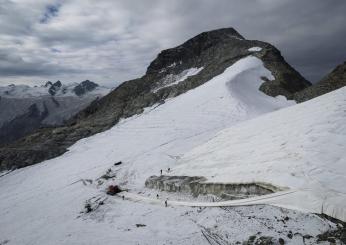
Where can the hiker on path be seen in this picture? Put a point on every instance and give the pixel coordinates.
(157, 196)
(168, 170)
(161, 171)
(166, 203)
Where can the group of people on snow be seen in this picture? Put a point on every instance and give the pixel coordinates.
(157, 195)
(168, 170)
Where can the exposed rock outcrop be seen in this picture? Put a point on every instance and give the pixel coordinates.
(334, 80)
(54, 87)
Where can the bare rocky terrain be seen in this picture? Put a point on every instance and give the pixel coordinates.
(334, 80)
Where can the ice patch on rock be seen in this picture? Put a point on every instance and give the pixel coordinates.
(255, 49)
(172, 79)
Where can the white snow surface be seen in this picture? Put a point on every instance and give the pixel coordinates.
(300, 147)
(41, 204)
(255, 49)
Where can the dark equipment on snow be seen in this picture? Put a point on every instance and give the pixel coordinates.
(113, 189)
(118, 163)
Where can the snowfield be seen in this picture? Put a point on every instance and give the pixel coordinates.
(301, 147)
(45, 203)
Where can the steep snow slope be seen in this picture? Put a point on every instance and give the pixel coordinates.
(44, 200)
(153, 140)
(301, 147)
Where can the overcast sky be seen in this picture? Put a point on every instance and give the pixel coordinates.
(109, 41)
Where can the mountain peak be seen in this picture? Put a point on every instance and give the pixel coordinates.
(84, 87)
(187, 52)
(191, 64)
(216, 50)
(222, 33)
(48, 84)
(55, 87)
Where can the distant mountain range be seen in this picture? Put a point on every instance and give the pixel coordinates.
(24, 109)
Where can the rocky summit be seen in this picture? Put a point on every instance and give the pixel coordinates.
(84, 87)
(173, 72)
(54, 88)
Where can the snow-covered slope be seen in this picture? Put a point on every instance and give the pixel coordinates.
(44, 200)
(153, 140)
(301, 147)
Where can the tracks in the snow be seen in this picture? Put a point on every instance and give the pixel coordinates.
(213, 238)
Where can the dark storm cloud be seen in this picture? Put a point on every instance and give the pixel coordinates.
(50, 12)
(111, 41)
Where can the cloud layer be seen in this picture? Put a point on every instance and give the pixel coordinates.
(111, 41)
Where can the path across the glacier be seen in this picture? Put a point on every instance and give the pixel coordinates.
(264, 199)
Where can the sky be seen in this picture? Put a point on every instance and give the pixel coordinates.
(110, 41)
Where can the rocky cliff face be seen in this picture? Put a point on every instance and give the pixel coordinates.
(334, 80)
(173, 72)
